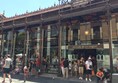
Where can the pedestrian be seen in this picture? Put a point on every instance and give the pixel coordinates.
(75, 68)
(2, 61)
(37, 62)
(6, 68)
(100, 75)
(66, 65)
(88, 65)
(62, 66)
(70, 68)
(106, 77)
(81, 64)
(26, 72)
(45, 65)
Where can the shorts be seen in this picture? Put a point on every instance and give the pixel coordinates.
(89, 72)
(81, 70)
(6, 70)
(38, 69)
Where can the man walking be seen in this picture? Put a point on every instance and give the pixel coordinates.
(66, 65)
(88, 65)
(6, 68)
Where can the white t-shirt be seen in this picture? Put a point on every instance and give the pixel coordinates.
(8, 62)
(88, 63)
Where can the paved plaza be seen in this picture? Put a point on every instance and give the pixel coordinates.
(44, 78)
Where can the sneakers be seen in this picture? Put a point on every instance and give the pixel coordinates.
(86, 79)
(3, 81)
(10, 80)
(90, 80)
(80, 78)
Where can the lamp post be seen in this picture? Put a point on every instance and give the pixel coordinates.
(2, 40)
(59, 39)
(110, 37)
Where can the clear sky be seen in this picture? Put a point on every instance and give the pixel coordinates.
(12, 7)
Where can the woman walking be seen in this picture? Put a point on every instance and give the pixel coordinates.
(62, 66)
(81, 64)
(26, 72)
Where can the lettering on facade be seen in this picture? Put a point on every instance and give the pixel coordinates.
(85, 46)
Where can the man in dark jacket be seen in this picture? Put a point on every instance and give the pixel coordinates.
(66, 64)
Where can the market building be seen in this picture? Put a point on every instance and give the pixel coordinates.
(70, 29)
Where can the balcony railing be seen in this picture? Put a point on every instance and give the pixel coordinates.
(88, 42)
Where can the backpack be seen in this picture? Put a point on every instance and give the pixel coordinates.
(11, 66)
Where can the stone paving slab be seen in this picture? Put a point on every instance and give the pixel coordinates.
(44, 78)
(15, 81)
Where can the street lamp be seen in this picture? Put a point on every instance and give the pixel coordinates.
(59, 39)
(110, 37)
(86, 34)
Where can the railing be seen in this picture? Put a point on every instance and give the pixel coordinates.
(87, 42)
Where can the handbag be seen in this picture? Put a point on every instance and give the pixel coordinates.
(11, 66)
(90, 66)
(39, 70)
(93, 73)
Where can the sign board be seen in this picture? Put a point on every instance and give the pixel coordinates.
(85, 46)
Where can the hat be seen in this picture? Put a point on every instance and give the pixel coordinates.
(89, 58)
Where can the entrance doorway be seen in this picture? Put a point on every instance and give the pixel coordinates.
(85, 53)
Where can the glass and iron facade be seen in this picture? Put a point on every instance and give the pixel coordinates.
(67, 37)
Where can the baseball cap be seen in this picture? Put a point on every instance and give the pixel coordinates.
(89, 58)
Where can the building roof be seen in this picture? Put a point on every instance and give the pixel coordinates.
(52, 13)
(2, 16)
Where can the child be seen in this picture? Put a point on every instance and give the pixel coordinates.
(100, 75)
(26, 71)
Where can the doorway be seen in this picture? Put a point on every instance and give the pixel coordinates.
(85, 53)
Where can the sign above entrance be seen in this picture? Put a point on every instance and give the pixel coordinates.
(85, 46)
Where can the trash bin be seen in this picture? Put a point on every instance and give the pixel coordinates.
(115, 78)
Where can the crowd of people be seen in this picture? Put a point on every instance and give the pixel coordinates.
(7, 67)
(84, 69)
(81, 68)
(77, 68)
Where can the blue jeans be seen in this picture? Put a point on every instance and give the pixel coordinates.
(99, 80)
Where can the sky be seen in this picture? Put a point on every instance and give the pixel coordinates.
(18, 7)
